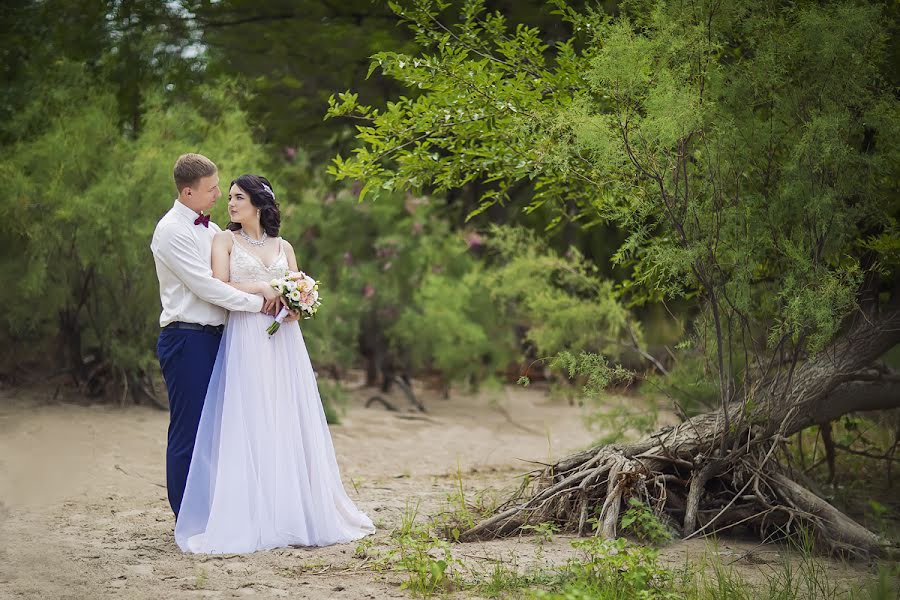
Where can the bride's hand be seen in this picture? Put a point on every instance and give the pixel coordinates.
(271, 299)
(293, 315)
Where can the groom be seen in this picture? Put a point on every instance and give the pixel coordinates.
(194, 306)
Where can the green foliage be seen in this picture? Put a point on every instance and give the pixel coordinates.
(561, 301)
(738, 184)
(394, 271)
(462, 510)
(276, 50)
(425, 559)
(80, 194)
(796, 575)
(690, 383)
(464, 339)
(135, 49)
(612, 569)
(334, 399)
(619, 570)
(640, 520)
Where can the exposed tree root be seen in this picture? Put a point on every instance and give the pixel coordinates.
(720, 470)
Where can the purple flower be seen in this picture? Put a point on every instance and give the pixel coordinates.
(473, 240)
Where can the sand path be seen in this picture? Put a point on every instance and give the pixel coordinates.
(83, 512)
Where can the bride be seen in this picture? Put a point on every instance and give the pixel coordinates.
(263, 473)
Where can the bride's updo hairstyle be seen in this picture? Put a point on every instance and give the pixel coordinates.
(263, 198)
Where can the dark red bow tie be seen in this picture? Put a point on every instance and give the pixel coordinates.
(202, 220)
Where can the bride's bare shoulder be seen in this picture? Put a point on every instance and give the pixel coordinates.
(223, 239)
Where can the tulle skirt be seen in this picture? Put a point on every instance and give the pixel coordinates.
(263, 472)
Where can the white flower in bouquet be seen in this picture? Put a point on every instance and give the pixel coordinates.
(299, 292)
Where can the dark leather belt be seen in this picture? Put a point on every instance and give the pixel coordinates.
(216, 329)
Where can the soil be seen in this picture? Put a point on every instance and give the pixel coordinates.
(83, 510)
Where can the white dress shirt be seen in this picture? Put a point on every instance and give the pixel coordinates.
(187, 289)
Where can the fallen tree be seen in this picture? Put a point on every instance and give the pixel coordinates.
(719, 470)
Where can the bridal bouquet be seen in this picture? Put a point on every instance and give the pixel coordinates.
(299, 292)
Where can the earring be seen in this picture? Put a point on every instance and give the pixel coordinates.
(257, 213)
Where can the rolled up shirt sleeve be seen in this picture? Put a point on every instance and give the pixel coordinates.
(178, 250)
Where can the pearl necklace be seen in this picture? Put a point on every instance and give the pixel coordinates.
(258, 242)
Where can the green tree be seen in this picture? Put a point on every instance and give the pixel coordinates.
(83, 199)
(137, 48)
(748, 151)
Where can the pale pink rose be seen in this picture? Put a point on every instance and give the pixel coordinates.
(307, 298)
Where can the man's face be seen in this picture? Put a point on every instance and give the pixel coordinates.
(205, 192)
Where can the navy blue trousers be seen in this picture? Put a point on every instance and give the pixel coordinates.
(187, 358)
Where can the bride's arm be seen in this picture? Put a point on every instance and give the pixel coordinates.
(291, 257)
(221, 253)
(292, 265)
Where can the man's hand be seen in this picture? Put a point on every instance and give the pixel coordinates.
(293, 315)
(271, 299)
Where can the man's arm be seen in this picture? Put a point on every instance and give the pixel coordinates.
(178, 250)
(221, 270)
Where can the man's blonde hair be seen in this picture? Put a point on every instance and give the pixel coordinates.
(190, 168)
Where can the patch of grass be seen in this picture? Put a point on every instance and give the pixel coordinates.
(621, 570)
(800, 575)
(505, 581)
(423, 557)
(885, 586)
(462, 513)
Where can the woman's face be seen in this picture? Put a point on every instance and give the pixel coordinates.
(240, 209)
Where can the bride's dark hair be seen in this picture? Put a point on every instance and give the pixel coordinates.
(263, 198)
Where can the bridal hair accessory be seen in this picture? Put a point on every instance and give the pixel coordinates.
(268, 189)
(202, 220)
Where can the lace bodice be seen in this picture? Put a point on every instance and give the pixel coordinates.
(246, 266)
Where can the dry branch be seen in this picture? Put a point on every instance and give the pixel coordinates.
(711, 473)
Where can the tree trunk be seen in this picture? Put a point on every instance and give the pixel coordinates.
(683, 473)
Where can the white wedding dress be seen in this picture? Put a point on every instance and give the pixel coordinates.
(263, 473)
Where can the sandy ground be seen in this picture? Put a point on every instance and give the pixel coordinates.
(83, 512)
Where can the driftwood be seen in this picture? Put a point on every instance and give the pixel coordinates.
(720, 469)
